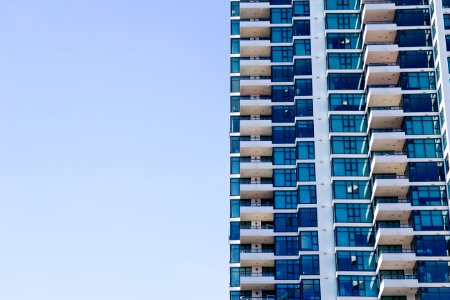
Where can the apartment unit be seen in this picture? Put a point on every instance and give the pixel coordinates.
(338, 149)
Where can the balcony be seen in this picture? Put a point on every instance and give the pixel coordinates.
(402, 234)
(255, 105)
(258, 281)
(255, 47)
(392, 209)
(389, 162)
(390, 185)
(256, 210)
(396, 260)
(256, 166)
(256, 188)
(256, 146)
(386, 117)
(381, 53)
(256, 234)
(254, 9)
(257, 257)
(382, 32)
(256, 125)
(384, 95)
(387, 140)
(378, 12)
(255, 85)
(382, 74)
(255, 66)
(255, 28)
(398, 285)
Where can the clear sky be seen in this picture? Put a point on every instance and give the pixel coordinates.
(113, 149)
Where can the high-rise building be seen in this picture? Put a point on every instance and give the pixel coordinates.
(339, 178)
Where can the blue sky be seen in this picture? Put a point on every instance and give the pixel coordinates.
(113, 156)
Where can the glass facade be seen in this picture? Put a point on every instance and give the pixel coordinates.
(338, 150)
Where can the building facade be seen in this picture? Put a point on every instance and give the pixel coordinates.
(338, 149)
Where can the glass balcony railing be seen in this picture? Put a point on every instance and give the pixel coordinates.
(246, 118)
(255, 98)
(255, 138)
(393, 225)
(389, 176)
(266, 226)
(398, 277)
(262, 159)
(257, 251)
(390, 200)
(249, 203)
(263, 274)
(256, 181)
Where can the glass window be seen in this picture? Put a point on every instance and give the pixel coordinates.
(307, 194)
(303, 67)
(428, 195)
(412, 17)
(281, 35)
(235, 188)
(285, 222)
(235, 9)
(285, 199)
(305, 128)
(302, 28)
(307, 217)
(301, 9)
(308, 241)
(435, 293)
(430, 220)
(347, 102)
(342, 5)
(286, 245)
(417, 81)
(282, 74)
(344, 61)
(362, 286)
(354, 236)
(235, 46)
(235, 84)
(422, 125)
(288, 291)
(356, 261)
(235, 27)
(416, 59)
(284, 156)
(310, 289)
(433, 271)
(305, 150)
(283, 93)
(446, 21)
(414, 38)
(351, 189)
(432, 245)
(309, 265)
(283, 135)
(235, 105)
(283, 114)
(344, 41)
(424, 148)
(304, 107)
(302, 47)
(287, 269)
(349, 145)
(426, 171)
(350, 167)
(303, 87)
(346, 81)
(281, 15)
(342, 21)
(348, 123)
(282, 54)
(420, 102)
(306, 172)
(284, 177)
(235, 65)
(235, 230)
(353, 213)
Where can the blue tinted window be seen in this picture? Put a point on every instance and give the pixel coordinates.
(303, 67)
(363, 286)
(350, 167)
(305, 150)
(302, 47)
(282, 54)
(280, 15)
(308, 241)
(286, 245)
(343, 21)
(345, 81)
(302, 28)
(433, 271)
(426, 171)
(353, 213)
(305, 128)
(309, 265)
(432, 245)
(284, 177)
(304, 107)
(348, 123)
(347, 102)
(344, 41)
(282, 74)
(428, 195)
(287, 269)
(301, 9)
(307, 194)
(421, 125)
(354, 237)
(345, 61)
(283, 134)
(422, 148)
(430, 220)
(303, 87)
(356, 261)
(306, 172)
(351, 189)
(349, 145)
(342, 5)
(284, 156)
(285, 199)
(283, 114)
(283, 93)
(281, 35)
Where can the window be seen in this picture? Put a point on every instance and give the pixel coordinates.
(426, 171)
(283, 114)
(304, 107)
(283, 135)
(280, 15)
(284, 156)
(285, 223)
(362, 286)
(282, 54)
(345, 81)
(285, 199)
(428, 195)
(430, 220)
(235, 143)
(287, 269)
(235, 46)
(342, 5)
(353, 213)
(348, 123)
(288, 291)
(235, 105)
(435, 293)
(286, 245)
(234, 65)
(303, 87)
(420, 103)
(301, 9)
(446, 21)
(235, 27)
(303, 67)
(416, 59)
(433, 271)
(306, 172)
(310, 289)
(414, 38)
(235, 189)
(349, 145)
(422, 125)
(284, 177)
(235, 230)
(307, 194)
(307, 217)
(354, 237)
(235, 9)
(356, 261)
(417, 81)
(302, 28)
(350, 167)
(305, 128)
(347, 102)
(302, 47)
(235, 163)
(282, 74)
(308, 241)
(351, 189)
(235, 84)
(283, 93)
(412, 17)
(447, 42)
(344, 41)
(281, 35)
(424, 148)
(342, 21)
(309, 265)
(305, 150)
(344, 61)
(432, 245)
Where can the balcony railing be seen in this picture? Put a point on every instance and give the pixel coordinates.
(387, 225)
(263, 159)
(255, 77)
(257, 251)
(267, 226)
(256, 20)
(255, 138)
(385, 108)
(255, 39)
(398, 277)
(381, 251)
(264, 274)
(390, 200)
(248, 203)
(247, 118)
(256, 181)
(390, 176)
(256, 98)
(256, 58)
